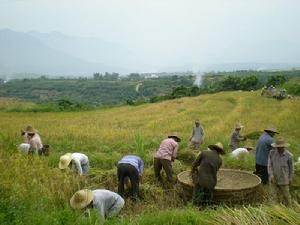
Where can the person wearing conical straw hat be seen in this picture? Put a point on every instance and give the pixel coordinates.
(204, 174)
(78, 162)
(31, 136)
(165, 155)
(107, 203)
(281, 171)
(197, 136)
(236, 137)
(263, 148)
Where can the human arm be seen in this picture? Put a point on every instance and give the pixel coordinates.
(193, 132)
(33, 146)
(99, 206)
(291, 169)
(141, 167)
(77, 165)
(196, 162)
(203, 134)
(270, 169)
(174, 154)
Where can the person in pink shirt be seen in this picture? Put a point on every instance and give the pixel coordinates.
(164, 157)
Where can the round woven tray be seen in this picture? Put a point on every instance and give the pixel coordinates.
(232, 185)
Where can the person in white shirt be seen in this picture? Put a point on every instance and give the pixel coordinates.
(241, 152)
(78, 162)
(107, 203)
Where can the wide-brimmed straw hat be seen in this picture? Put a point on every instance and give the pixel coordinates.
(64, 161)
(238, 126)
(175, 135)
(280, 143)
(218, 147)
(272, 130)
(30, 130)
(81, 199)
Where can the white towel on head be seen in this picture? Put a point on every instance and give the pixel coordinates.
(24, 147)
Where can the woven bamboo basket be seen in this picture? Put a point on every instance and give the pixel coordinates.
(233, 186)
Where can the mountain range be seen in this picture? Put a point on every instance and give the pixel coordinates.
(59, 54)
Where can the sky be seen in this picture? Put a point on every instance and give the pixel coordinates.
(168, 33)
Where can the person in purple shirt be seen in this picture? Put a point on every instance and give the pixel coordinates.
(130, 167)
(263, 149)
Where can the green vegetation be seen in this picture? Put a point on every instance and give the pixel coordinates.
(293, 86)
(110, 89)
(90, 91)
(34, 191)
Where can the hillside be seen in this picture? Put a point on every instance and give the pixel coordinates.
(21, 52)
(91, 91)
(107, 134)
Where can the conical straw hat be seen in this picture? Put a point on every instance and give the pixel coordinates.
(81, 199)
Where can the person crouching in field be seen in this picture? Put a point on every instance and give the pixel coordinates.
(164, 157)
(263, 148)
(281, 171)
(204, 174)
(78, 162)
(236, 137)
(31, 136)
(107, 203)
(197, 136)
(241, 152)
(130, 167)
(34, 140)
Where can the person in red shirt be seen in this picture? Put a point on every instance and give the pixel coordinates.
(164, 157)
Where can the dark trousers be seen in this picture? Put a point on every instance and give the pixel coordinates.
(126, 170)
(262, 172)
(202, 196)
(166, 165)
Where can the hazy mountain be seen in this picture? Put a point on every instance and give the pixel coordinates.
(21, 52)
(89, 49)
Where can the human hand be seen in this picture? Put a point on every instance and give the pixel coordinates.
(273, 180)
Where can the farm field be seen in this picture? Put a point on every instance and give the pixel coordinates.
(34, 191)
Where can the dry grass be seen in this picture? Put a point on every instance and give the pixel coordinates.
(105, 135)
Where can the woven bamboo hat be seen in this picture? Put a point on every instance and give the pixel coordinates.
(175, 135)
(30, 130)
(272, 130)
(81, 199)
(280, 143)
(238, 126)
(218, 147)
(64, 161)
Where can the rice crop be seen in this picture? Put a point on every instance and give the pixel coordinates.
(34, 191)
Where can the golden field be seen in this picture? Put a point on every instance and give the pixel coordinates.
(107, 134)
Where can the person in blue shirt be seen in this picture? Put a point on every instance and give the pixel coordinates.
(263, 148)
(130, 167)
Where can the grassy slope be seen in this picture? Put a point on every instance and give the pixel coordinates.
(107, 134)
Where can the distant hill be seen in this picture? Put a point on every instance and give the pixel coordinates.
(21, 52)
(94, 50)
